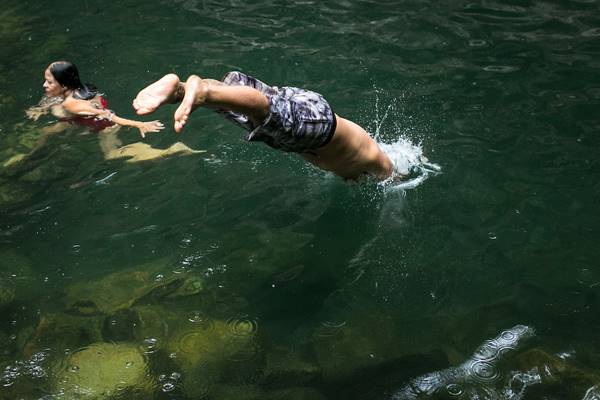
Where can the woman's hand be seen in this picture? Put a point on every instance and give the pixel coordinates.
(35, 113)
(150, 126)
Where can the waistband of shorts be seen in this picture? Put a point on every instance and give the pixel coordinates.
(331, 131)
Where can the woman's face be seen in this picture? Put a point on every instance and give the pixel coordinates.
(51, 86)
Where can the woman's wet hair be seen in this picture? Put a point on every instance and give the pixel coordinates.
(67, 75)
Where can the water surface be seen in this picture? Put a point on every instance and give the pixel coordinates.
(308, 287)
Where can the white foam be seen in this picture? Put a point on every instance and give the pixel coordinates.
(411, 167)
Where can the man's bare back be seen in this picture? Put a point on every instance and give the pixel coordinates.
(307, 126)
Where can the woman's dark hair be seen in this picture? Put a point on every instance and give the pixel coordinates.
(67, 75)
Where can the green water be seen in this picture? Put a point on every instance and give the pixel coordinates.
(303, 286)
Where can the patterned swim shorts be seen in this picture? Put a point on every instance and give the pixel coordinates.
(299, 120)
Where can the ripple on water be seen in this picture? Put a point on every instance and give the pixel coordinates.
(454, 389)
(150, 345)
(477, 43)
(591, 32)
(290, 274)
(483, 371)
(508, 336)
(242, 326)
(240, 345)
(201, 320)
(169, 382)
(502, 69)
(330, 328)
(32, 368)
(487, 352)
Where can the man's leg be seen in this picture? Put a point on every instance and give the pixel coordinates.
(201, 92)
(213, 94)
(168, 89)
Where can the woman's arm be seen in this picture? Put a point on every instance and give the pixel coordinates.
(86, 108)
(35, 112)
(144, 127)
(42, 108)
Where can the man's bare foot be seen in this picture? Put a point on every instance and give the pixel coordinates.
(165, 90)
(195, 95)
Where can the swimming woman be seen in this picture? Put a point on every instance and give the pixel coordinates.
(286, 118)
(76, 103)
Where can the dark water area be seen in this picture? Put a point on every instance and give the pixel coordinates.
(244, 272)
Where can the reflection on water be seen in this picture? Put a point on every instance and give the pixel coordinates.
(478, 376)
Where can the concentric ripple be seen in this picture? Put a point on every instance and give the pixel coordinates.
(476, 378)
(330, 328)
(454, 389)
(242, 326)
(240, 344)
(483, 371)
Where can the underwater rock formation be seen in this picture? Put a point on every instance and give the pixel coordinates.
(215, 351)
(62, 331)
(285, 368)
(123, 289)
(7, 295)
(103, 371)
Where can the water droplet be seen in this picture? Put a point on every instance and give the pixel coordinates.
(151, 345)
(167, 387)
(454, 389)
(508, 336)
(483, 371)
(195, 317)
(477, 43)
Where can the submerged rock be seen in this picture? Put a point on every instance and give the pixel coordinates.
(60, 331)
(215, 352)
(555, 375)
(17, 278)
(295, 393)
(13, 193)
(125, 288)
(14, 266)
(251, 392)
(120, 326)
(7, 294)
(285, 368)
(154, 321)
(103, 371)
(232, 392)
(360, 346)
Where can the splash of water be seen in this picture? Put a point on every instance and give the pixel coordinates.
(410, 166)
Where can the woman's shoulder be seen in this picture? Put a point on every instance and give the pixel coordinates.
(99, 101)
(69, 103)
